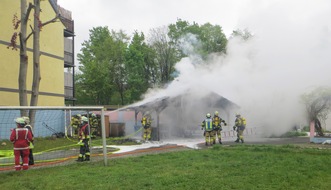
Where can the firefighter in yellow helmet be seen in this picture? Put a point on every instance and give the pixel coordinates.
(95, 124)
(217, 127)
(146, 122)
(240, 125)
(207, 126)
(31, 145)
(75, 122)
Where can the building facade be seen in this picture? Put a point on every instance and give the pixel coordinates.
(56, 59)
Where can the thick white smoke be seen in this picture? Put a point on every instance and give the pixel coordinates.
(289, 54)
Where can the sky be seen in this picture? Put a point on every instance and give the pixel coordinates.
(143, 15)
(289, 55)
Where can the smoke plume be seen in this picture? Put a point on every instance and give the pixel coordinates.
(289, 53)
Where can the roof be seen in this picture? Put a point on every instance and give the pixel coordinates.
(158, 104)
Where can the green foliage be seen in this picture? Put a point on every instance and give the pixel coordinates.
(117, 71)
(233, 167)
(306, 128)
(208, 38)
(294, 134)
(243, 34)
(139, 66)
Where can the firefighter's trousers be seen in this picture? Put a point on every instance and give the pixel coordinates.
(147, 133)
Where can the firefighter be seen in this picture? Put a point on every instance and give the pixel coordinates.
(84, 138)
(240, 125)
(94, 124)
(29, 127)
(146, 122)
(217, 127)
(207, 126)
(75, 122)
(21, 138)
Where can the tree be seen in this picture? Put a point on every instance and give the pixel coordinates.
(23, 38)
(243, 34)
(103, 74)
(166, 53)
(118, 64)
(318, 106)
(94, 79)
(140, 66)
(205, 39)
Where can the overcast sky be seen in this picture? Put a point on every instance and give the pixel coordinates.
(142, 15)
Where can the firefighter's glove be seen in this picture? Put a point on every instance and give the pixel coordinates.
(201, 128)
(31, 146)
(225, 124)
(234, 128)
(80, 143)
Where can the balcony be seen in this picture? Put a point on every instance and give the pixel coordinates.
(68, 53)
(68, 86)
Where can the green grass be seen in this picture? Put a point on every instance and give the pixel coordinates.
(234, 167)
(49, 143)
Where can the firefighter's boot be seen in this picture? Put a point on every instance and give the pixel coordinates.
(242, 140)
(80, 159)
(87, 158)
(206, 143)
(237, 141)
(214, 141)
(220, 142)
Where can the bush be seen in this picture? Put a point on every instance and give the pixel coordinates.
(294, 134)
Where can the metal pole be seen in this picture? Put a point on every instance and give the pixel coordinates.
(103, 131)
(65, 123)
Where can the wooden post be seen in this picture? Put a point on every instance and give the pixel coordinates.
(312, 130)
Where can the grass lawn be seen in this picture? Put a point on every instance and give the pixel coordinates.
(228, 167)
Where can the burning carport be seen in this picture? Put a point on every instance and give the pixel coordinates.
(183, 113)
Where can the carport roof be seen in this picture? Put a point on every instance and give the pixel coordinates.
(212, 99)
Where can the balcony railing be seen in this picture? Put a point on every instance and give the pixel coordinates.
(68, 61)
(68, 92)
(68, 85)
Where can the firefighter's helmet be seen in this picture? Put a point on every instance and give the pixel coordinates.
(216, 113)
(208, 115)
(20, 121)
(237, 114)
(147, 113)
(84, 119)
(26, 119)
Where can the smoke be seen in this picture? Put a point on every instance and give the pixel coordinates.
(289, 54)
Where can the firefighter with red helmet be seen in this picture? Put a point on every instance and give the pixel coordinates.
(21, 138)
(217, 127)
(84, 138)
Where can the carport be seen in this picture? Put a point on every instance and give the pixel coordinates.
(159, 104)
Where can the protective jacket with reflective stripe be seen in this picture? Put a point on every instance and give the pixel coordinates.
(21, 137)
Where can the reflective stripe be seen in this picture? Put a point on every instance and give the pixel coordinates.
(208, 124)
(24, 148)
(22, 129)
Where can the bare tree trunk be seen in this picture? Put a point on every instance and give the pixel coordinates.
(23, 59)
(36, 59)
